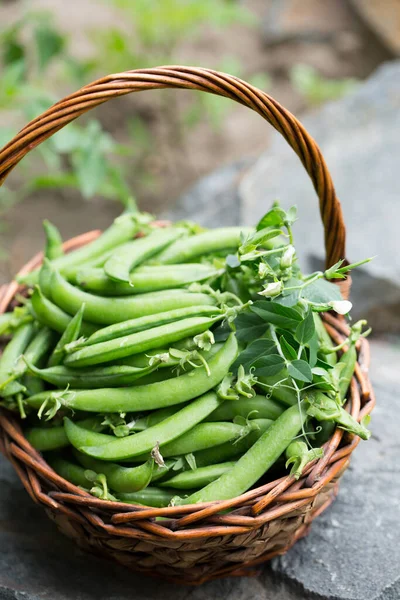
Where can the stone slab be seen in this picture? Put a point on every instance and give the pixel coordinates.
(352, 552)
(359, 138)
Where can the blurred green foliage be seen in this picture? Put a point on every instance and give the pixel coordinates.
(35, 58)
(317, 89)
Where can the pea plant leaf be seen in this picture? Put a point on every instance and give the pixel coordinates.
(305, 329)
(49, 43)
(276, 314)
(274, 217)
(287, 349)
(313, 346)
(321, 291)
(300, 370)
(254, 351)
(288, 299)
(267, 366)
(249, 327)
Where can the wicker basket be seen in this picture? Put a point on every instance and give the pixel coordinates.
(203, 541)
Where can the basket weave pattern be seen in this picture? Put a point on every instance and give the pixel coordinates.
(197, 542)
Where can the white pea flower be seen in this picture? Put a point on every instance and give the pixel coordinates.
(287, 257)
(263, 270)
(342, 307)
(272, 289)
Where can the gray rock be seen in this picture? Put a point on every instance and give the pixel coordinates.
(359, 138)
(352, 552)
(383, 17)
(214, 199)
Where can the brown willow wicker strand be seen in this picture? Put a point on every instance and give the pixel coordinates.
(272, 495)
(204, 507)
(158, 83)
(13, 430)
(14, 286)
(175, 84)
(296, 132)
(37, 490)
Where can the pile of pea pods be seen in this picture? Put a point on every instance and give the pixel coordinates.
(119, 363)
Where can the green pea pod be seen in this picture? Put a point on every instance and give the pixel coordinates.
(122, 229)
(148, 397)
(151, 496)
(324, 340)
(54, 244)
(101, 377)
(347, 364)
(69, 471)
(323, 408)
(164, 432)
(122, 261)
(342, 373)
(281, 393)
(256, 461)
(32, 384)
(204, 435)
(120, 479)
(143, 341)
(144, 279)
(53, 438)
(36, 350)
(15, 347)
(49, 438)
(234, 448)
(78, 435)
(47, 313)
(215, 240)
(197, 478)
(123, 328)
(258, 407)
(71, 334)
(6, 321)
(107, 311)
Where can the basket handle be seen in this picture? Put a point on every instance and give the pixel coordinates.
(205, 80)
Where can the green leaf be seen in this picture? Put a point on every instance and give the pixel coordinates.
(232, 261)
(274, 217)
(267, 366)
(306, 329)
(276, 314)
(288, 299)
(301, 370)
(313, 346)
(323, 365)
(288, 350)
(321, 292)
(254, 351)
(49, 44)
(249, 327)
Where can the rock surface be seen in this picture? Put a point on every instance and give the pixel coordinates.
(352, 552)
(359, 139)
(383, 16)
